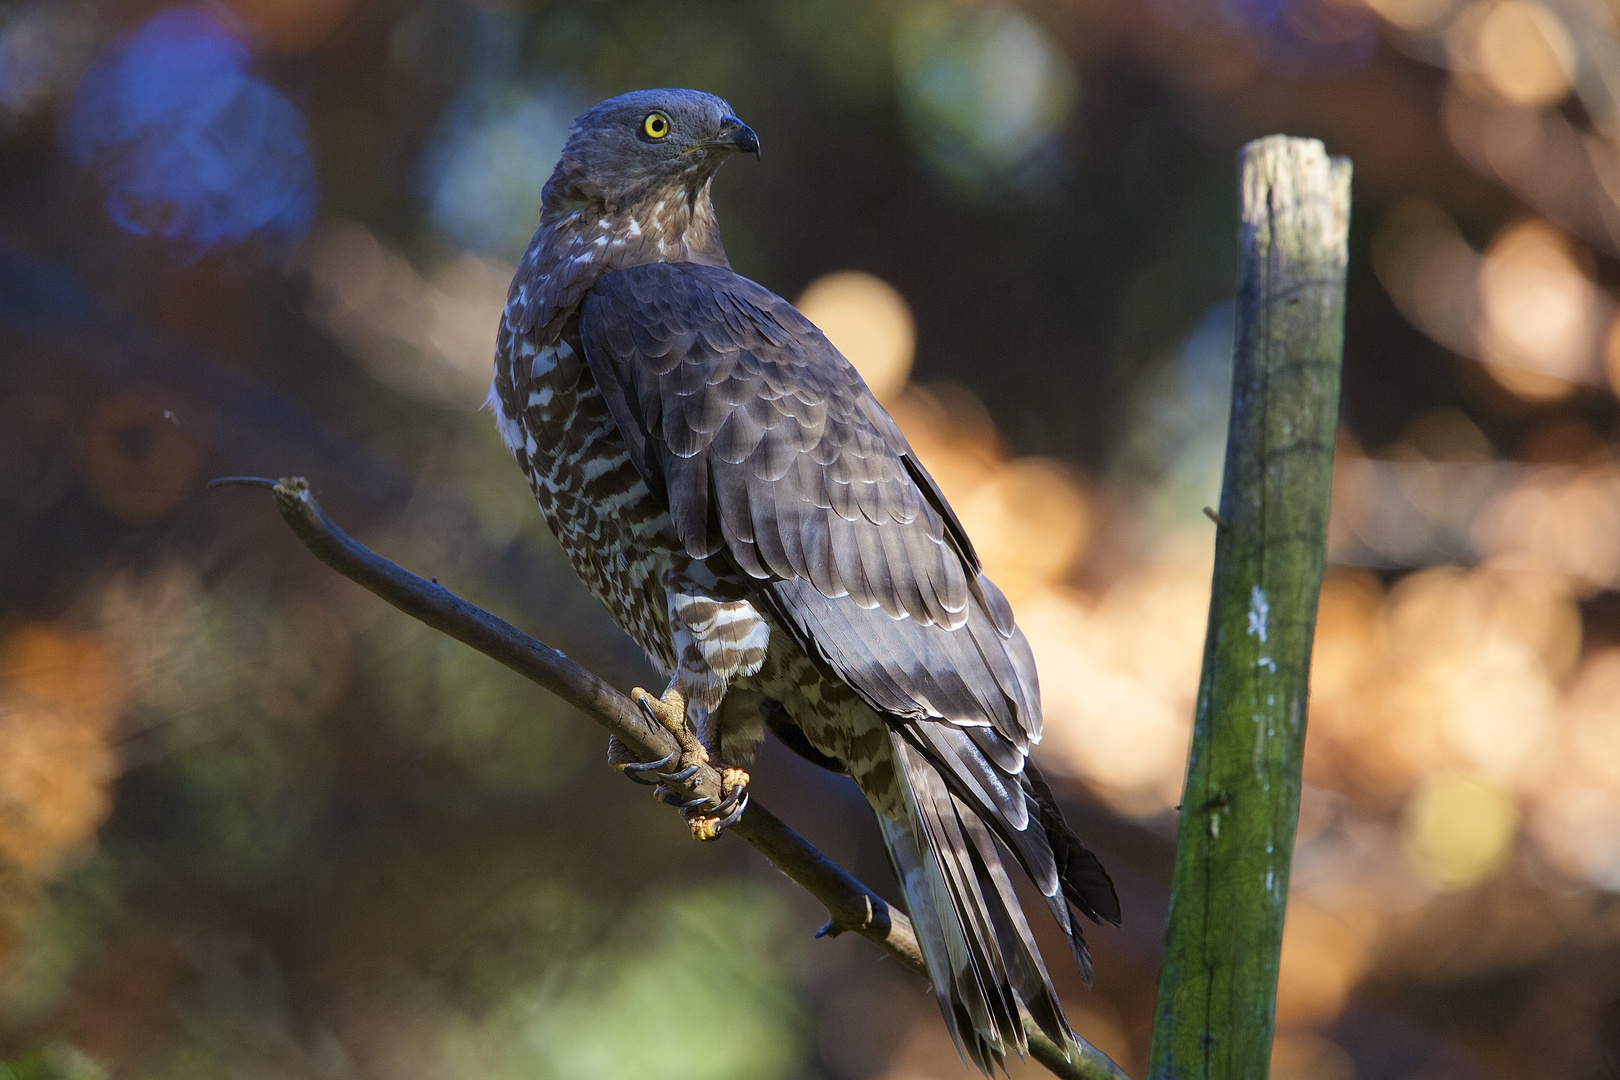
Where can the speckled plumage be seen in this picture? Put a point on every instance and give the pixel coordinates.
(726, 485)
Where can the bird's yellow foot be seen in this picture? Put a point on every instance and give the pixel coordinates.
(707, 818)
(707, 824)
(669, 712)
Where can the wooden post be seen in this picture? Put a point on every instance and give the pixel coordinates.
(1218, 988)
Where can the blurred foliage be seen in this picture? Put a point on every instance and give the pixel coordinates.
(600, 1014)
(47, 1065)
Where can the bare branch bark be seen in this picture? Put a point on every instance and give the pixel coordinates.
(851, 906)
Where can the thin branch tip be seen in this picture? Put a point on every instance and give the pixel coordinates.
(241, 481)
(293, 488)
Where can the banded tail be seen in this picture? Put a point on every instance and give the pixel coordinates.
(982, 958)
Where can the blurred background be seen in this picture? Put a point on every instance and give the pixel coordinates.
(253, 823)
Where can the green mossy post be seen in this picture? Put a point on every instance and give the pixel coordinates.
(1218, 988)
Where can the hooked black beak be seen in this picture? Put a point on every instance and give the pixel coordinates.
(737, 135)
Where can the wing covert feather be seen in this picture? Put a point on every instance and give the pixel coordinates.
(768, 443)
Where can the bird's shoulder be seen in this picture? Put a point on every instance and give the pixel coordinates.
(703, 295)
(768, 443)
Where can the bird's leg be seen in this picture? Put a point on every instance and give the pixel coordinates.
(669, 712)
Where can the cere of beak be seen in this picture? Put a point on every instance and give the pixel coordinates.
(738, 135)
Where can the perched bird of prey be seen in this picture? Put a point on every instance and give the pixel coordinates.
(728, 487)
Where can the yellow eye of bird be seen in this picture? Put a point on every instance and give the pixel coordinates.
(656, 125)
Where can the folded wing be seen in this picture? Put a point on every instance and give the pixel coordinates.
(770, 451)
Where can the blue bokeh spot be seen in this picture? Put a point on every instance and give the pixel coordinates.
(187, 143)
(1309, 39)
(487, 160)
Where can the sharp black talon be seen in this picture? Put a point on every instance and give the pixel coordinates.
(644, 766)
(685, 804)
(682, 776)
(731, 819)
(725, 805)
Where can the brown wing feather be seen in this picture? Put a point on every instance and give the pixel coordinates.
(768, 443)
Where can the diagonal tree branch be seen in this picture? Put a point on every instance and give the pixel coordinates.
(851, 906)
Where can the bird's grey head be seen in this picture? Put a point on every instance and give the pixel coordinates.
(643, 144)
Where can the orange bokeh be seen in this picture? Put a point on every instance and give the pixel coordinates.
(60, 695)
